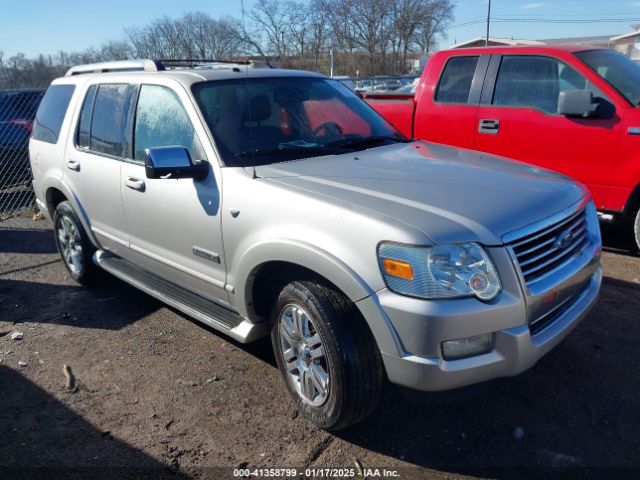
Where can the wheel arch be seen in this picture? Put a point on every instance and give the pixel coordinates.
(54, 194)
(265, 268)
(271, 263)
(633, 202)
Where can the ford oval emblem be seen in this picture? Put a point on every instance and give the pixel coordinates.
(564, 240)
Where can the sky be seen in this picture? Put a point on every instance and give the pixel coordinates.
(550, 17)
(45, 26)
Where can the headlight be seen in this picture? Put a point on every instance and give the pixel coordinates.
(442, 271)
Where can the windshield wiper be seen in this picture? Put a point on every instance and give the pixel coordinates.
(365, 141)
(284, 149)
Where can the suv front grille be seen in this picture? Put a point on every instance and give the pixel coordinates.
(544, 251)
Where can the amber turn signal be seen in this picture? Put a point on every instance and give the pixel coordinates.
(398, 268)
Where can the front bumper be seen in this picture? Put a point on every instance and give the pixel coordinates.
(515, 351)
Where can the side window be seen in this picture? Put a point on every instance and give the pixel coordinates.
(455, 82)
(162, 121)
(51, 113)
(84, 124)
(109, 119)
(535, 82)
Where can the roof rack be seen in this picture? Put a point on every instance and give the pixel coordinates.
(147, 65)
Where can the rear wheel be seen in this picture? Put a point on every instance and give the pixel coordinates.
(326, 354)
(74, 246)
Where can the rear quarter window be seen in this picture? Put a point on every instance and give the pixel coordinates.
(456, 79)
(51, 113)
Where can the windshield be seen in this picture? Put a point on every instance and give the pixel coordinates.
(618, 70)
(257, 121)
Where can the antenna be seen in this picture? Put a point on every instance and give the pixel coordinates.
(486, 41)
(244, 34)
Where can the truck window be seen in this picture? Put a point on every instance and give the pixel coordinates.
(50, 116)
(617, 70)
(319, 112)
(162, 121)
(455, 82)
(535, 82)
(109, 119)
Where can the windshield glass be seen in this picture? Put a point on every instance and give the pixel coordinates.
(618, 70)
(257, 121)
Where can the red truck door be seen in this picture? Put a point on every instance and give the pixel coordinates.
(518, 118)
(446, 110)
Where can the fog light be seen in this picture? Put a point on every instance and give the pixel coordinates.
(467, 347)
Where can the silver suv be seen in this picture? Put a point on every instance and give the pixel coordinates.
(263, 201)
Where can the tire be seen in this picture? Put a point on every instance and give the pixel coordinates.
(74, 246)
(636, 230)
(336, 341)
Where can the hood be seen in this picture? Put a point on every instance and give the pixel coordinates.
(448, 194)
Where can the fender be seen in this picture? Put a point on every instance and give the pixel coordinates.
(299, 253)
(323, 263)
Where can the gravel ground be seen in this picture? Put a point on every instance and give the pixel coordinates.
(157, 395)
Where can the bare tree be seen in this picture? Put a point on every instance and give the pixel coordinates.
(271, 19)
(195, 35)
(366, 36)
(435, 16)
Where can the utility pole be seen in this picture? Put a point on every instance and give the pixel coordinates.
(486, 41)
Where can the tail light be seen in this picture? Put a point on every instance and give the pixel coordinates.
(24, 123)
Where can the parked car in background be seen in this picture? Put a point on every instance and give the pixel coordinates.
(17, 111)
(573, 109)
(409, 88)
(277, 202)
(380, 83)
(345, 80)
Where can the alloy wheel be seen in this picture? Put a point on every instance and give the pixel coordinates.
(70, 244)
(304, 355)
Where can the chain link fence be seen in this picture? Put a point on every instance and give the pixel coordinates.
(17, 112)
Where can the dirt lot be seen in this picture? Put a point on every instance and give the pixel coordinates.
(160, 396)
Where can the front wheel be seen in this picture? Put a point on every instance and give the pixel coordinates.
(326, 354)
(74, 246)
(636, 229)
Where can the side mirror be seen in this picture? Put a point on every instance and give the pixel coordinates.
(173, 162)
(577, 103)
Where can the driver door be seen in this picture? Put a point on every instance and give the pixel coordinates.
(174, 224)
(518, 119)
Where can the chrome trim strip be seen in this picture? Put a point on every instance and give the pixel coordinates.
(544, 254)
(554, 310)
(551, 260)
(113, 238)
(547, 222)
(177, 266)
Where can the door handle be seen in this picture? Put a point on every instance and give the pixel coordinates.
(135, 183)
(489, 126)
(73, 165)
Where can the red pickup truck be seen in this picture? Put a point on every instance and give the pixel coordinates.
(573, 109)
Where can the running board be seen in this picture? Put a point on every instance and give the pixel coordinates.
(210, 313)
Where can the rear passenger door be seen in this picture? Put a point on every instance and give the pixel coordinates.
(174, 224)
(93, 161)
(518, 118)
(446, 113)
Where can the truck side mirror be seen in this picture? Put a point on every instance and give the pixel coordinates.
(173, 162)
(577, 103)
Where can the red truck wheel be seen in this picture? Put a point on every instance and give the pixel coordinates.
(636, 229)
